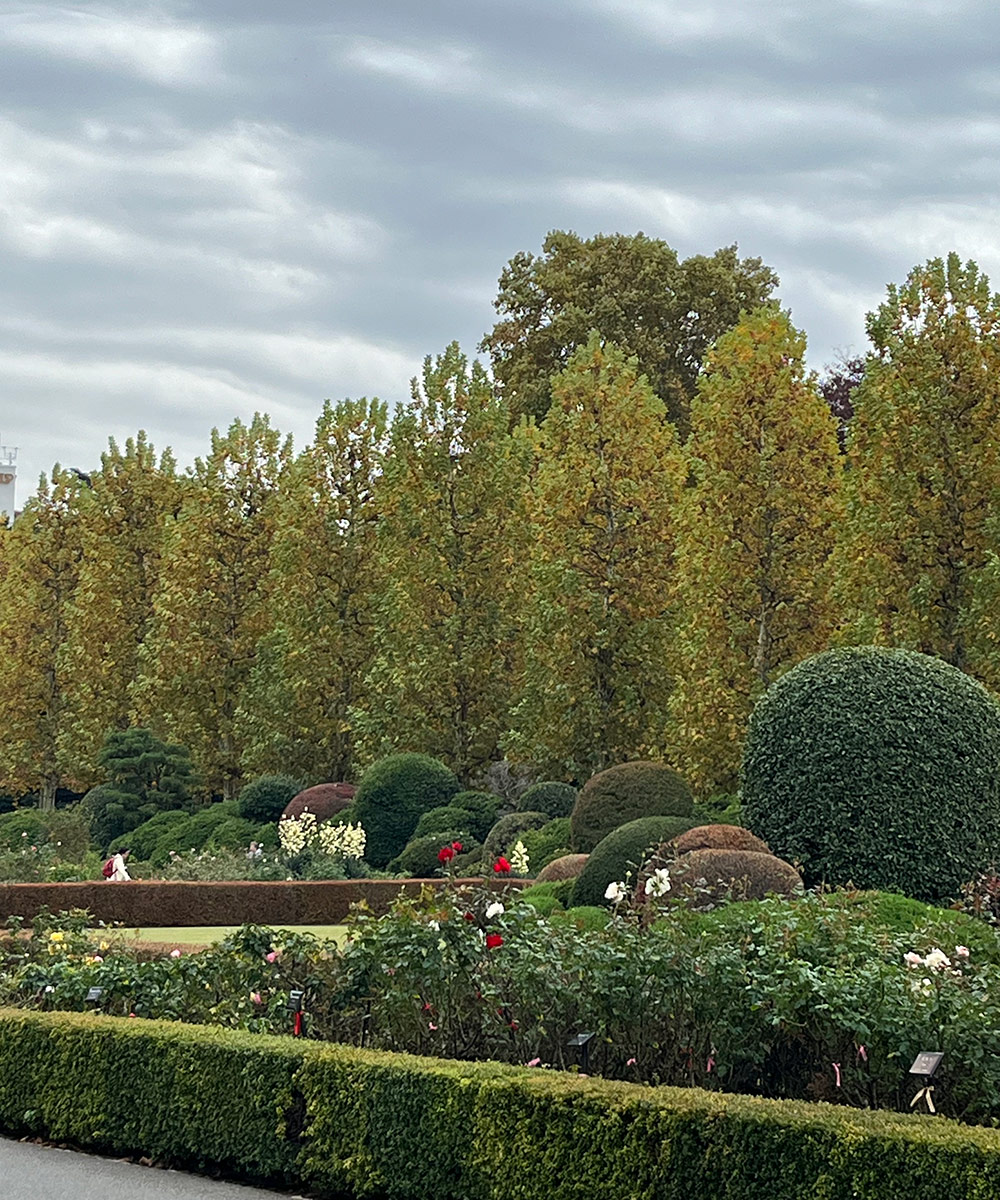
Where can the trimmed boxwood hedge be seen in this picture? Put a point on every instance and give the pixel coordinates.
(373, 1124)
(879, 768)
(393, 794)
(626, 793)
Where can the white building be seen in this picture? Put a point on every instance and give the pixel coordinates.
(8, 481)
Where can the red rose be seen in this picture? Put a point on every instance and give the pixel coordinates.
(493, 940)
(457, 846)
(469, 916)
(445, 854)
(501, 866)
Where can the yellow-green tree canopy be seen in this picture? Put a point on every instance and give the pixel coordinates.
(754, 536)
(38, 579)
(133, 499)
(312, 662)
(450, 527)
(915, 564)
(597, 621)
(210, 605)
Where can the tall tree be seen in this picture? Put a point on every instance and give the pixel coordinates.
(606, 482)
(754, 536)
(210, 611)
(636, 293)
(42, 554)
(924, 470)
(134, 497)
(312, 663)
(449, 505)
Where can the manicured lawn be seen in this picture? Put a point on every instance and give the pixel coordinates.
(204, 935)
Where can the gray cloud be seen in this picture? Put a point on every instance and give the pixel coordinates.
(216, 207)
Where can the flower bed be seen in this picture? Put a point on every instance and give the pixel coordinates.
(367, 1124)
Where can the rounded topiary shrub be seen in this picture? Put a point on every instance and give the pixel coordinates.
(545, 844)
(419, 858)
(391, 797)
(623, 851)
(626, 793)
(507, 831)
(265, 798)
(568, 866)
(556, 799)
(876, 767)
(442, 820)
(735, 874)
(483, 809)
(324, 800)
(720, 837)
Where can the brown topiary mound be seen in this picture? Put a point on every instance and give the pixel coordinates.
(567, 867)
(745, 874)
(720, 837)
(324, 800)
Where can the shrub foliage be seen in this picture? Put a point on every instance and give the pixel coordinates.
(626, 793)
(393, 794)
(623, 850)
(876, 767)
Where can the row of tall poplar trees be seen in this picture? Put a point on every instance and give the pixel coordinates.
(568, 592)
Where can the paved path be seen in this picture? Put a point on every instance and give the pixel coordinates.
(30, 1172)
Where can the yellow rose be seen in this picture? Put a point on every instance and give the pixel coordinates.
(55, 937)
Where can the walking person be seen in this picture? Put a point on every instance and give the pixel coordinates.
(115, 870)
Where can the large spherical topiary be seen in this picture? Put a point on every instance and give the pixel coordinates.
(556, 799)
(265, 798)
(876, 767)
(391, 797)
(624, 850)
(626, 793)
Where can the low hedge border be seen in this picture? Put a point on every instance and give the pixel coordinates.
(139, 904)
(372, 1124)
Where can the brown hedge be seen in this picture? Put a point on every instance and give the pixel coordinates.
(749, 874)
(720, 837)
(324, 800)
(141, 904)
(566, 867)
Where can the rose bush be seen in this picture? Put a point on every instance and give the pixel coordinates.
(822, 996)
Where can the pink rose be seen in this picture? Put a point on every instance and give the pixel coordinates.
(272, 957)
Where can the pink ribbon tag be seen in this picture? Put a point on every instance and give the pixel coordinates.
(710, 1065)
(836, 1071)
(862, 1054)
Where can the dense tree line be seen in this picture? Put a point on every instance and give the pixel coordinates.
(606, 548)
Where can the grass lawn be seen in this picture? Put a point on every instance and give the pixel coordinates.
(204, 935)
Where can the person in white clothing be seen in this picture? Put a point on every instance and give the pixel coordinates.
(119, 872)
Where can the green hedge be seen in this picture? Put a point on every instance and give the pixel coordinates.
(370, 1124)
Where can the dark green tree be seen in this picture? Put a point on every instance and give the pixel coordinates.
(144, 776)
(636, 292)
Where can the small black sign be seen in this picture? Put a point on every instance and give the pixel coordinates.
(927, 1063)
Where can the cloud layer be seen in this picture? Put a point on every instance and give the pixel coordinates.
(212, 208)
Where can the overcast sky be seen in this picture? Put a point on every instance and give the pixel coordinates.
(217, 207)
